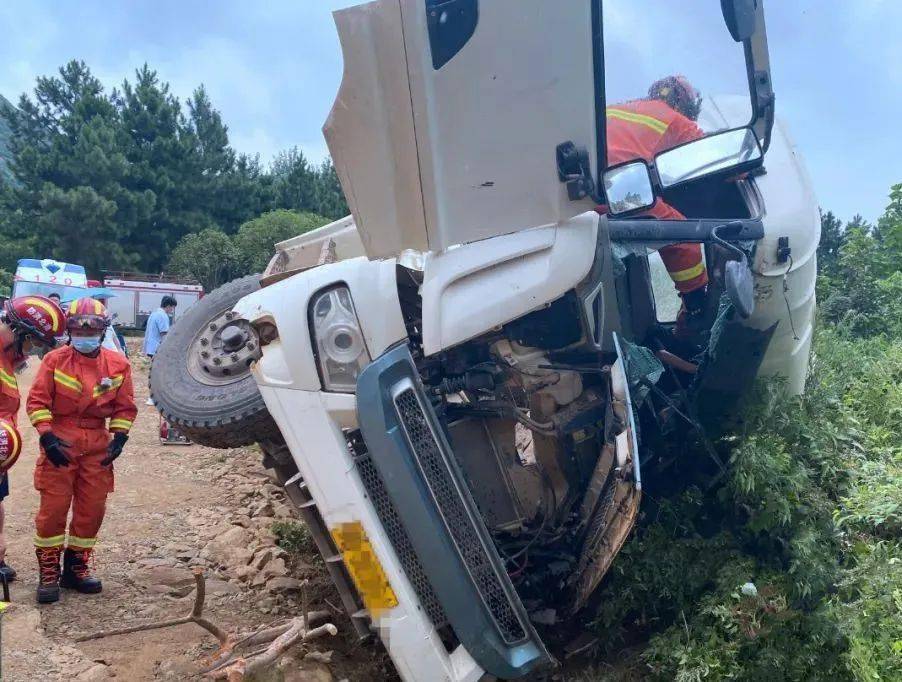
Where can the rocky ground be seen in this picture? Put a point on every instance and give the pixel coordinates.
(175, 507)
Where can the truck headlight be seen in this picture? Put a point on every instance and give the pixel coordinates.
(341, 351)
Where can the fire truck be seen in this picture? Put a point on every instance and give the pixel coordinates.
(136, 296)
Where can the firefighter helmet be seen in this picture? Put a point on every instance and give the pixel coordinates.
(87, 313)
(10, 445)
(36, 317)
(679, 94)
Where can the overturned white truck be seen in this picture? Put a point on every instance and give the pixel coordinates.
(465, 386)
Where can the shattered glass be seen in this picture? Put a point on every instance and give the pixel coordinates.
(642, 368)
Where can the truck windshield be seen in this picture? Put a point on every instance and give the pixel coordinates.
(666, 57)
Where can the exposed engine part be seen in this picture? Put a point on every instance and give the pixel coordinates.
(553, 327)
(544, 451)
(563, 386)
(471, 381)
(507, 493)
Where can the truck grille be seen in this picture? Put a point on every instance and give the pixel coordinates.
(456, 518)
(391, 522)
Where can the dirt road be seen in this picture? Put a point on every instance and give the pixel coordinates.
(170, 506)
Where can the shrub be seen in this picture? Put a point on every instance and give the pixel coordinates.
(790, 568)
(294, 538)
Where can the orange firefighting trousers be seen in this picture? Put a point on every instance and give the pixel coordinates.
(685, 266)
(82, 486)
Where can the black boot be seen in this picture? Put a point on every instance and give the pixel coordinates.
(48, 574)
(76, 572)
(8, 571)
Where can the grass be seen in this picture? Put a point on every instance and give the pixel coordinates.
(810, 515)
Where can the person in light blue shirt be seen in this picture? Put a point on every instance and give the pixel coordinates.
(158, 325)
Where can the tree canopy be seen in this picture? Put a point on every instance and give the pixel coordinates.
(860, 271)
(255, 239)
(115, 180)
(213, 257)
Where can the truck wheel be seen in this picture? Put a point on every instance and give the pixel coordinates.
(204, 390)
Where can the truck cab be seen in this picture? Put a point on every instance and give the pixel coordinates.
(467, 385)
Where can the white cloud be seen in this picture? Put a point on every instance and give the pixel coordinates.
(256, 141)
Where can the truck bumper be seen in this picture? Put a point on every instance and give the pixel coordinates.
(314, 426)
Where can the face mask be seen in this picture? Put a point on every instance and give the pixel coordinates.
(85, 344)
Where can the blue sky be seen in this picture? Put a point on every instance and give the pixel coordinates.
(272, 68)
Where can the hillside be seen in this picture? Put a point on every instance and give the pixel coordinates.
(5, 133)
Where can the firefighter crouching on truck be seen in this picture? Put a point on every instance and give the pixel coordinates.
(26, 322)
(77, 389)
(641, 129)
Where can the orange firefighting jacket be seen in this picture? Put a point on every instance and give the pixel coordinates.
(640, 130)
(9, 390)
(79, 390)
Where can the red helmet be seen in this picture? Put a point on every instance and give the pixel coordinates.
(10, 445)
(35, 316)
(679, 94)
(87, 313)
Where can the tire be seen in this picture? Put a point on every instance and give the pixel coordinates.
(216, 411)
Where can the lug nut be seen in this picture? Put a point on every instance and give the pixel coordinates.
(205, 354)
(234, 357)
(217, 361)
(250, 345)
(204, 341)
(213, 327)
(230, 315)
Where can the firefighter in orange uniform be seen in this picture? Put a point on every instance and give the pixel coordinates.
(77, 389)
(25, 322)
(643, 128)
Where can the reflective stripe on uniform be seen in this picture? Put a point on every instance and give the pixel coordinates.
(42, 415)
(55, 541)
(8, 379)
(120, 423)
(81, 543)
(67, 380)
(13, 436)
(688, 273)
(115, 382)
(655, 124)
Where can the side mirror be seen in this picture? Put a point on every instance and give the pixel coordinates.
(732, 150)
(739, 16)
(740, 287)
(628, 188)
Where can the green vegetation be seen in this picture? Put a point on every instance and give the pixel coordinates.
(6, 175)
(213, 258)
(294, 538)
(255, 238)
(791, 568)
(116, 180)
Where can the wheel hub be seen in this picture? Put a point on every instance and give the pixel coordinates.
(223, 350)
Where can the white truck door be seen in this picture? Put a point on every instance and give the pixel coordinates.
(445, 126)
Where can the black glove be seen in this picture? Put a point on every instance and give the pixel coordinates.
(114, 449)
(53, 448)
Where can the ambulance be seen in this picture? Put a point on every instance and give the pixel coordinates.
(43, 277)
